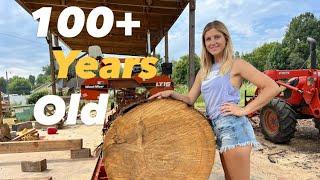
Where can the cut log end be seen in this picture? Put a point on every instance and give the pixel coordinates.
(162, 138)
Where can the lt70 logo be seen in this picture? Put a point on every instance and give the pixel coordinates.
(44, 13)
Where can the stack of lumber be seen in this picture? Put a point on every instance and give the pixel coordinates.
(27, 135)
(161, 139)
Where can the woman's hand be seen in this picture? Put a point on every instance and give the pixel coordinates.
(162, 94)
(232, 109)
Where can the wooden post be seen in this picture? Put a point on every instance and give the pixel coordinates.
(149, 43)
(166, 46)
(52, 67)
(154, 52)
(56, 44)
(56, 41)
(192, 8)
(7, 89)
(1, 114)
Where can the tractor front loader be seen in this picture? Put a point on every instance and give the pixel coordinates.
(298, 100)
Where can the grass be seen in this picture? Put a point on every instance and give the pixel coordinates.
(250, 88)
(199, 104)
(183, 89)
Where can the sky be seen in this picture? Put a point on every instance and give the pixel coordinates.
(250, 22)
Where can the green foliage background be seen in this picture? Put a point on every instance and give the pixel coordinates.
(291, 53)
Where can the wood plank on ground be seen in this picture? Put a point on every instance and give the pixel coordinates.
(34, 166)
(80, 153)
(40, 146)
(32, 178)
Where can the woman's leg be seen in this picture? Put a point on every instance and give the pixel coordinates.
(226, 173)
(237, 162)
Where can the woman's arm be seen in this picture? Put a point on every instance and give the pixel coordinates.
(192, 96)
(268, 87)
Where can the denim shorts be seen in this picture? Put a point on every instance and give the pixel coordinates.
(232, 131)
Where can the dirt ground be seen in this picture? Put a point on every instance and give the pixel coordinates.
(300, 159)
(59, 163)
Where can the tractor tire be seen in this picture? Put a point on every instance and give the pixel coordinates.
(277, 121)
(317, 124)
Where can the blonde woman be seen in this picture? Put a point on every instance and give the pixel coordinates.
(219, 81)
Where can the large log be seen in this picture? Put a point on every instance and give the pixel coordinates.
(161, 139)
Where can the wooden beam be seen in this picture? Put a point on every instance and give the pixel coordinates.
(113, 36)
(114, 7)
(166, 47)
(154, 52)
(143, 3)
(22, 4)
(116, 35)
(119, 51)
(154, 23)
(176, 4)
(137, 33)
(34, 166)
(192, 7)
(103, 43)
(116, 38)
(39, 146)
(52, 67)
(110, 48)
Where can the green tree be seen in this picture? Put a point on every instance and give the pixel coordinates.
(278, 57)
(301, 27)
(32, 80)
(180, 72)
(237, 54)
(19, 85)
(158, 64)
(3, 85)
(293, 52)
(33, 98)
(42, 79)
(296, 61)
(47, 70)
(259, 56)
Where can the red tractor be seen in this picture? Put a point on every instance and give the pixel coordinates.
(299, 100)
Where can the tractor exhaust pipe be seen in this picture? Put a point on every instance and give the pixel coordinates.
(312, 48)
